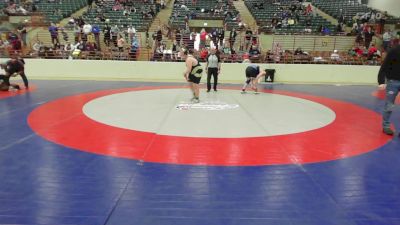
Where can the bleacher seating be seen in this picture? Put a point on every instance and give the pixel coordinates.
(204, 9)
(348, 8)
(117, 17)
(264, 17)
(66, 8)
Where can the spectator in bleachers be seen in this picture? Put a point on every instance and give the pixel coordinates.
(300, 51)
(22, 33)
(134, 48)
(16, 44)
(11, 9)
(290, 21)
(247, 37)
(77, 31)
(87, 28)
(368, 36)
(213, 36)
(90, 38)
(57, 12)
(91, 46)
(158, 53)
(361, 51)
(53, 29)
(372, 51)
(64, 34)
(221, 37)
(131, 33)
(158, 36)
(175, 48)
(193, 36)
(127, 11)
(203, 54)
(203, 38)
(232, 38)
(326, 30)
(117, 6)
(254, 37)
(69, 48)
(335, 56)
(178, 36)
(89, 4)
(355, 28)
(114, 34)
(121, 43)
(277, 51)
(254, 52)
(387, 40)
(382, 21)
(96, 32)
(107, 35)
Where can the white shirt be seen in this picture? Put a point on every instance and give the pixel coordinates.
(131, 30)
(87, 28)
(387, 36)
(335, 56)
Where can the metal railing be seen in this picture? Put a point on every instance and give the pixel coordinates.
(314, 43)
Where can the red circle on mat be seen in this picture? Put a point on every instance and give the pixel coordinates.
(381, 94)
(355, 131)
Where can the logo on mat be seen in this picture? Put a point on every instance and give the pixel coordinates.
(206, 106)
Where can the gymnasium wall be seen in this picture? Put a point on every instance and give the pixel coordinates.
(391, 6)
(173, 72)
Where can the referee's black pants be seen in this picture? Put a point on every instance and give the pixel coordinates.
(212, 72)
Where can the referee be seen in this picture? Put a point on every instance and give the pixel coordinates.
(213, 68)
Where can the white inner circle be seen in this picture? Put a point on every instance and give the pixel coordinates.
(223, 114)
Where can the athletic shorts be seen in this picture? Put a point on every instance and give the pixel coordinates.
(251, 72)
(194, 79)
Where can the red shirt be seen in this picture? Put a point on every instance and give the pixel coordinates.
(203, 36)
(203, 54)
(372, 50)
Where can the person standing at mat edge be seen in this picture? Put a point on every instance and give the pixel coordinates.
(389, 78)
(193, 73)
(213, 68)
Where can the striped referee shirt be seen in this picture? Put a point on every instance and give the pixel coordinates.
(213, 61)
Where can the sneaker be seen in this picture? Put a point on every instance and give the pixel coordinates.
(388, 131)
(196, 100)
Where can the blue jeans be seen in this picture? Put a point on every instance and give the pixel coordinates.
(392, 89)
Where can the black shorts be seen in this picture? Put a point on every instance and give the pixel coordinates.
(194, 79)
(251, 72)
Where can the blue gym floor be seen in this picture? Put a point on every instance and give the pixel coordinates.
(44, 183)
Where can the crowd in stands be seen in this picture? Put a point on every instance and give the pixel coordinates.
(123, 13)
(23, 8)
(288, 16)
(10, 42)
(86, 41)
(184, 10)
